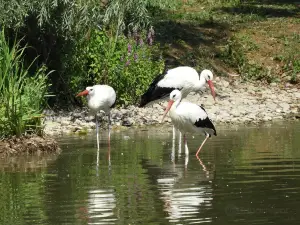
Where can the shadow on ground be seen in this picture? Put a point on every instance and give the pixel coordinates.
(265, 9)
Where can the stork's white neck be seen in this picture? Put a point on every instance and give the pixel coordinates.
(176, 103)
(201, 83)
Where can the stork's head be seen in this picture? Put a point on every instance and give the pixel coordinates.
(88, 91)
(175, 96)
(208, 76)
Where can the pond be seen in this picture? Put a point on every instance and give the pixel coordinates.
(245, 175)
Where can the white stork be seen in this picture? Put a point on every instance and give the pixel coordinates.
(100, 97)
(189, 117)
(184, 78)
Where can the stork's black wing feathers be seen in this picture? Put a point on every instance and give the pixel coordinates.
(205, 123)
(202, 108)
(154, 92)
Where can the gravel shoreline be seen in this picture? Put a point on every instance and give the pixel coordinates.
(236, 102)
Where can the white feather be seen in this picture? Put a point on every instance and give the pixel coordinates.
(184, 115)
(101, 97)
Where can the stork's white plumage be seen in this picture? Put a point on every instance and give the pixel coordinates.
(189, 118)
(100, 97)
(184, 78)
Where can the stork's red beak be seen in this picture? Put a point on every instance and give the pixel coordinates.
(212, 89)
(83, 93)
(170, 103)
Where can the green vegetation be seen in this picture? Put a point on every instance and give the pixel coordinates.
(128, 65)
(22, 97)
(259, 40)
(58, 32)
(127, 43)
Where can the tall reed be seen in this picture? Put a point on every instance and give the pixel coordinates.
(22, 95)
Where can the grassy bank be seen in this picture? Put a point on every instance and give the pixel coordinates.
(22, 96)
(257, 40)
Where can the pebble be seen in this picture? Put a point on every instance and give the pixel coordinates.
(249, 103)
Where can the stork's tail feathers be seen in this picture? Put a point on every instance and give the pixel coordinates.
(155, 92)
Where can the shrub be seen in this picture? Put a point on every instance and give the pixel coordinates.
(21, 95)
(128, 64)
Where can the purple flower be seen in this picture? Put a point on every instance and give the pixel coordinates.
(150, 41)
(129, 48)
(141, 42)
(135, 56)
(149, 35)
(151, 30)
(127, 63)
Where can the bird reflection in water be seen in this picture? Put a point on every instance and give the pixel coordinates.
(182, 196)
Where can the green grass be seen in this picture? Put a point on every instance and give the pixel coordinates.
(21, 95)
(257, 39)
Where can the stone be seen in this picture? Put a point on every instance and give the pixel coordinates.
(65, 122)
(285, 107)
(78, 122)
(76, 115)
(225, 84)
(267, 118)
(235, 113)
(89, 118)
(271, 105)
(297, 94)
(127, 122)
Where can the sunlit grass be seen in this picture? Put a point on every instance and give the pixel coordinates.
(235, 36)
(21, 95)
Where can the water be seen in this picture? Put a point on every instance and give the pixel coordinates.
(245, 175)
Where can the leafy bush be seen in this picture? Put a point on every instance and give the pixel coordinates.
(128, 64)
(21, 95)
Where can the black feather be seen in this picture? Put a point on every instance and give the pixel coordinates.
(206, 123)
(202, 108)
(154, 92)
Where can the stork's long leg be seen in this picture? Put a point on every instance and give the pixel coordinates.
(174, 133)
(207, 136)
(179, 144)
(98, 145)
(97, 132)
(203, 167)
(109, 128)
(186, 149)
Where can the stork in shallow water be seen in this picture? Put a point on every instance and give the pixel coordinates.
(100, 97)
(189, 117)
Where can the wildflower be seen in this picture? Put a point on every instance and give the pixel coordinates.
(135, 56)
(150, 41)
(151, 30)
(129, 48)
(150, 36)
(141, 42)
(127, 63)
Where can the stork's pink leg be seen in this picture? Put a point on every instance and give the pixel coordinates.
(207, 136)
(97, 132)
(109, 128)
